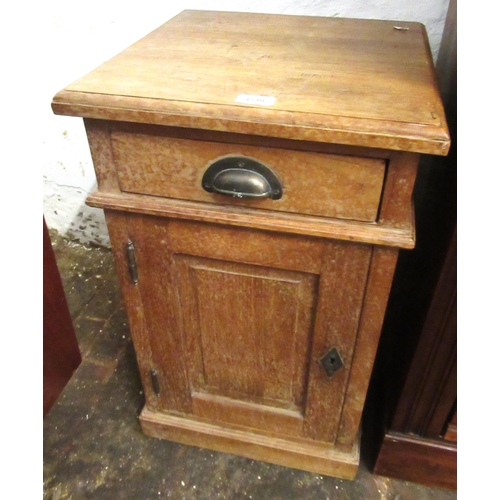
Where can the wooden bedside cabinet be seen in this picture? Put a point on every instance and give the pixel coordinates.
(256, 173)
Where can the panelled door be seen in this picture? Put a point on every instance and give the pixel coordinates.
(237, 326)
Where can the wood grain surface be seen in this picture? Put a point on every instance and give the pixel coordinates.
(243, 325)
(346, 187)
(350, 81)
(259, 219)
(262, 319)
(237, 301)
(309, 456)
(413, 458)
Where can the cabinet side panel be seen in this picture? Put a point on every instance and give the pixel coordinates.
(99, 138)
(396, 207)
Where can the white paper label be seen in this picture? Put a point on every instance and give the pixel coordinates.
(260, 100)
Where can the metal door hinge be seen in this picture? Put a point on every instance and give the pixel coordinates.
(155, 381)
(132, 263)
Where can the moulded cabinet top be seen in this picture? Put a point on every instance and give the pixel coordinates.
(350, 81)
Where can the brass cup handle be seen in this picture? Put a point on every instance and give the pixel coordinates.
(241, 177)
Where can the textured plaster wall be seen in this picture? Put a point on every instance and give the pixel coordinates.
(76, 41)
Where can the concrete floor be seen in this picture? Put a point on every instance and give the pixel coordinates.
(93, 445)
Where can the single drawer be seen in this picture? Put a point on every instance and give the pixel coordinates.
(317, 184)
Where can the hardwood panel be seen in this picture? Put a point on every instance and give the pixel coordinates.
(252, 327)
(356, 132)
(451, 429)
(377, 290)
(341, 293)
(396, 209)
(215, 69)
(152, 306)
(240, 137)
(411, 458)
(247, 329)
(190, 71)
(346, 187)
(242, 413)
(416, 371)
(430, 390)
(99, 138)
(235, 302)
(305, 456)
(400, 234)
(119, 236)
(61, 354)
(220, 242)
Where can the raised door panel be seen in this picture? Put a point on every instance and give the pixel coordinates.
(247, 332)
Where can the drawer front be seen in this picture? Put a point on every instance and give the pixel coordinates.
(316, 184)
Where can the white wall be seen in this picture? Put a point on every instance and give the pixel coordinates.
(73, 42)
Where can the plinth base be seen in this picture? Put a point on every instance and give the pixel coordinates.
(313, 457)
